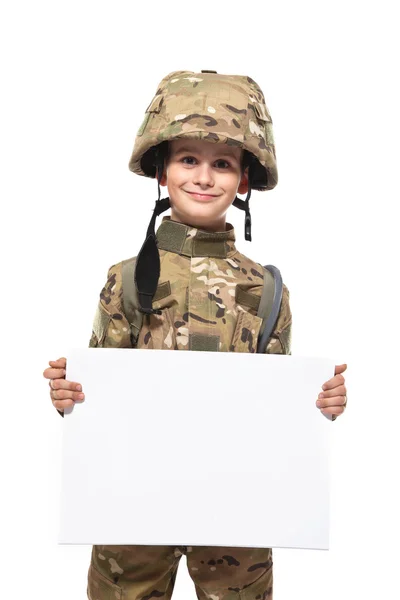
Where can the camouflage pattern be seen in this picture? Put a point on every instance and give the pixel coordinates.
(227, 109)
(147, 572)
(208, 293)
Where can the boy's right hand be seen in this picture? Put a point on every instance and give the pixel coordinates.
(62, 393)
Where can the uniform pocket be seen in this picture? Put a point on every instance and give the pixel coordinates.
(101, 588)
(158, 332)
(100, 323)
(245, 335)
(164, 334)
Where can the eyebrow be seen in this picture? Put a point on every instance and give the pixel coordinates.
(188, 151)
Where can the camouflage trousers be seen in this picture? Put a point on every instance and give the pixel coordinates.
(147, 572)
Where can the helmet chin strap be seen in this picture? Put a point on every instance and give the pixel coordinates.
(147, 270)
(244, 204)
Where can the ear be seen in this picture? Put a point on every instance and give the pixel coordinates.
(163, 180)
(244, 182)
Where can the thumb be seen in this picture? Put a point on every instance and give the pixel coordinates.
(60, 362)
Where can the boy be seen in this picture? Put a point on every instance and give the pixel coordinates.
(206, 137)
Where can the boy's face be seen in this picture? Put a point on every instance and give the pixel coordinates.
(203, 179)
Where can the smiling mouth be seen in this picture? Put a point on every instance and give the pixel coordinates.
(201, 196)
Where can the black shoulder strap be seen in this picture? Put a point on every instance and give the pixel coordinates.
(270, 305)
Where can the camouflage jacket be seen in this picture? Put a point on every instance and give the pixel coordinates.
(208, 293)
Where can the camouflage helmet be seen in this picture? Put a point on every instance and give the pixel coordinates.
(225, 109)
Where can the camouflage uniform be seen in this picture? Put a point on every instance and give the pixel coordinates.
(208, 293)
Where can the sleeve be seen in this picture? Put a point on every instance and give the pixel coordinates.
(281, 337)
(110, 327)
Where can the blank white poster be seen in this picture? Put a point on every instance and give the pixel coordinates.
(196, 448)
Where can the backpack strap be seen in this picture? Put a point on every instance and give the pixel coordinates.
(130, 298)
(270, 305)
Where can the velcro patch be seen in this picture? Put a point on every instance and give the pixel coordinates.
(203, 342)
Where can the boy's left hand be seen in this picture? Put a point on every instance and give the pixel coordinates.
(332, 400)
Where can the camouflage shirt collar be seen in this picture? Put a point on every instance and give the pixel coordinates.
(190, 241)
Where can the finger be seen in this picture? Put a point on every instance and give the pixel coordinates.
(337, 391)
(338, 377)
(334, 382)
(335, 401)
(60, 394)
(64, 384)
(52, 373)
(60, 362)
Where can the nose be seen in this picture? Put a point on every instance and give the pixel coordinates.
(203, 175)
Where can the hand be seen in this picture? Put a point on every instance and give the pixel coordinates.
(62, 393)
(333, 398)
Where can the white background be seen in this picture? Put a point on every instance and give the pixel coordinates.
(76, 78)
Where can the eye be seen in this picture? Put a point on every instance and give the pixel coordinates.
(188, 158)
(225, 164)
